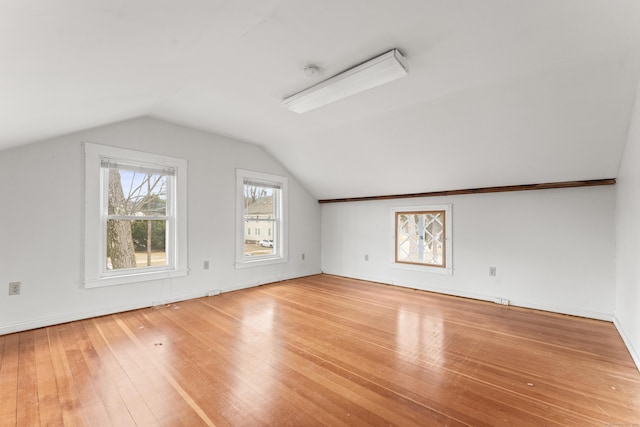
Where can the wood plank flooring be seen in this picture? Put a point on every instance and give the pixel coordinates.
(321, 350)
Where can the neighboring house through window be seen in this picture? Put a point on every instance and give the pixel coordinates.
(262, 202)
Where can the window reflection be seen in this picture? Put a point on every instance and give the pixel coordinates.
(256, 332)
(420, 337)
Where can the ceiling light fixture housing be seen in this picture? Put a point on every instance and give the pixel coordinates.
(382, 69)
(312, 70)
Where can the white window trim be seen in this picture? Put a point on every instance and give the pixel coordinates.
(448, 269)
(282, 255)
(95, 273)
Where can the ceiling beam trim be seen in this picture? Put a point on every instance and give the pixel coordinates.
(483, 190)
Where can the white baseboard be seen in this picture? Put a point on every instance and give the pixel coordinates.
(634, 354)
(267, 281)
(80, 315)
(572, 311)
(178, 298)
(71, 317)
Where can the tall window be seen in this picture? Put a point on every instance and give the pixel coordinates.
(262, 202)
(138, 217)
(135, 216)
(422, 237)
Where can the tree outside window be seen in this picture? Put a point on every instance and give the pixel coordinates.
(422, 238)
(137, 217)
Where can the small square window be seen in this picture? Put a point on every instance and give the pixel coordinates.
(422, 238)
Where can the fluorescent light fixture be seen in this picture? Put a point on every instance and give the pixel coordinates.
(377, 71)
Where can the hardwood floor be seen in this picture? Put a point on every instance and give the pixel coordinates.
(321, 350)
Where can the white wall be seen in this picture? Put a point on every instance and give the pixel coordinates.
(627, 315)
(41, 223)
(553, 249)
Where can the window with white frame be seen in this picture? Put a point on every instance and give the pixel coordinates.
(135, 216)
(262, 209)
(422, 238)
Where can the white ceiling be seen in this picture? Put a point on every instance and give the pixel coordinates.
(499, 92)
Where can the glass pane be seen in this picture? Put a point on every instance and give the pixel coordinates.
(260, 215)
(258, 201)
(137, 193)
(258, 240)
(136, 244)
(420, 238)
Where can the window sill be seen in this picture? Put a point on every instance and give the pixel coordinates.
(423, 268)
(260, 262)
(134, 278)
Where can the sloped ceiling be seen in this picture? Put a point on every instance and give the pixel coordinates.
(499, 92)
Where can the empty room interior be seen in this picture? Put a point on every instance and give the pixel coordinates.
(294, 212)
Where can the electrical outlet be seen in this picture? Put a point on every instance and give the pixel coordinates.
(303, 257)
(205, 265)
(14, 288)
(366, 257)
(492, 271)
